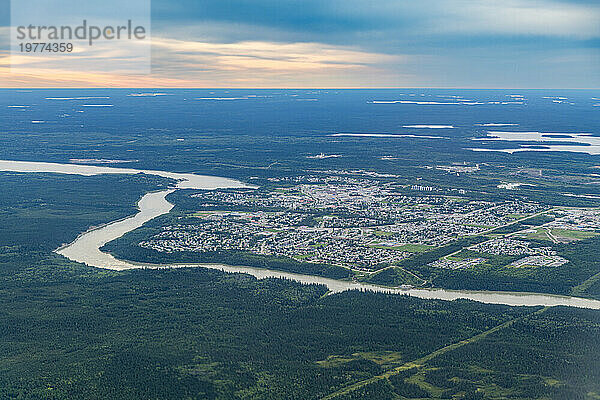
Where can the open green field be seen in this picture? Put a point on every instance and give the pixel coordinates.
(573, 234)
(565, 235)
(409, 248)
(414, 248)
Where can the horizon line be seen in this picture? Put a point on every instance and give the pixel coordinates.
(295, 88)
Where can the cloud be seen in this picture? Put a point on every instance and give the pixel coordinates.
(271, 56)
(180, 63)
(522, 17)
(352, 18)
(354, 43)
(262, 63)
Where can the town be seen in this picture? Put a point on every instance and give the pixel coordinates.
(367, 226)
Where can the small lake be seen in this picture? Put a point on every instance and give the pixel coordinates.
(540, 141)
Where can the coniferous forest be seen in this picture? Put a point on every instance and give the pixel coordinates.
(70, 331)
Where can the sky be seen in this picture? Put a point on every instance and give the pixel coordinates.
(348, 44)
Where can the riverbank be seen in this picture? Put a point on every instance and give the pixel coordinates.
(86, 248)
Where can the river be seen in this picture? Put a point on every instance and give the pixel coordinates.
(86, 248)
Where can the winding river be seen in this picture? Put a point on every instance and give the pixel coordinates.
(86, 248)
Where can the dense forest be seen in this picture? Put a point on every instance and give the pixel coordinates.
(206, 334)
(43, 211)
(71, 331)
(567, 279)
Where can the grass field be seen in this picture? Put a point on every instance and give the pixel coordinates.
(409, 248)
(562, 235)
